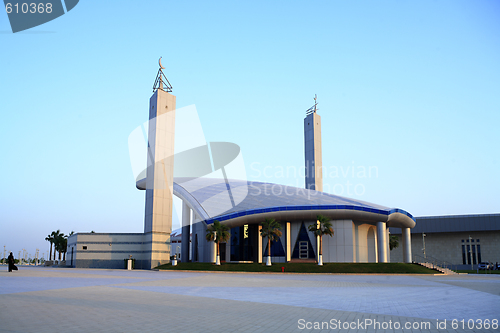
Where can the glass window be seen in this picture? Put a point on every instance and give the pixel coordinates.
(479, 253)
(474, 255)
(472, 240)
(468, 254)
(477, 240)
(464, 261)
(463, 241)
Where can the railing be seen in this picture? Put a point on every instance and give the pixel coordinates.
(434, 262)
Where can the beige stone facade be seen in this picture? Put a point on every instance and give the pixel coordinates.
(447, 246)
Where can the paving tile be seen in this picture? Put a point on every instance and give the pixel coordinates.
(39, 299)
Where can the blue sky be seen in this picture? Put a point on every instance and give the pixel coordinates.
(410, 89)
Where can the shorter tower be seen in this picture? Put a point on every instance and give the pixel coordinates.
(312, 149)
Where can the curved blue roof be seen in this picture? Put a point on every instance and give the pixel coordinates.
(231, 200)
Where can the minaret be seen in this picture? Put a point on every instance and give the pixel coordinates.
(312, 149)
(160, 172)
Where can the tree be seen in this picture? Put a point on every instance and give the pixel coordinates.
(62, 245)
(50, 239)
(393, 242)
(272, 230)
(323, 226)
(217, 233)
(57, 239)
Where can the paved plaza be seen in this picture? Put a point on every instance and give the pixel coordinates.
(46, 299)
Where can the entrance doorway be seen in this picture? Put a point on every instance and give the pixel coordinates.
(222, 252)
(303, 250)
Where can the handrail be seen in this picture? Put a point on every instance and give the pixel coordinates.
(444, 264)
(434, 262)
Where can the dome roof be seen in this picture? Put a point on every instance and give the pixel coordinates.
(237, 202)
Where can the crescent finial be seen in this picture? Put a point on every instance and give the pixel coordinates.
(159, 63)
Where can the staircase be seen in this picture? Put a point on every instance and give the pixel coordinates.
(433, 263)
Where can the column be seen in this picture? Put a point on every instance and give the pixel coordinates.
(259, 245)
(288, 243)
(195, 257)
(388, 235)
(212, 251)
(186, 231)
(381, 242)
(405, 233)
(317, 248)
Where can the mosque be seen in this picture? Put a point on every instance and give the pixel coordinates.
(361, 229)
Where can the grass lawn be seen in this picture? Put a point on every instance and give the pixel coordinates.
(362, 268)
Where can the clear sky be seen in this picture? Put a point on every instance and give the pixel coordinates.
(407, 89)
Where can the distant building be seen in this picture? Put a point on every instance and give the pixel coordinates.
(461, 240)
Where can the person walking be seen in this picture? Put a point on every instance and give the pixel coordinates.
(10, 260)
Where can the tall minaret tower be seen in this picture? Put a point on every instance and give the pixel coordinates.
(312, 148)
(160, 172)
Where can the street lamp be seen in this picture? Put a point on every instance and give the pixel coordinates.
(423, 242)
(470, 253)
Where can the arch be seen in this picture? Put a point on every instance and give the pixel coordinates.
(371, 243)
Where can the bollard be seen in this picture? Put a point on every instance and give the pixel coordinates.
(129, 263)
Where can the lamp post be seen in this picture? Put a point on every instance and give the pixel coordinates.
(423, 242)
(3, 259)
(470, 253)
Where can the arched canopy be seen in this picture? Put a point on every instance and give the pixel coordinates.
(236, 202)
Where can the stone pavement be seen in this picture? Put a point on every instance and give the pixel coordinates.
(46, 299)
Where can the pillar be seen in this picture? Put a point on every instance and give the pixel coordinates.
(288, 243)
(195, 244)
(406, 236)
(388, 250)
(212, 251)
(382, 242)
(259, 245)
(186, 231)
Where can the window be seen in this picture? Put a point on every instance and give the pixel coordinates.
(474, 254)
(85, 247)
(478, 252)
(468, 254)
(464, 261)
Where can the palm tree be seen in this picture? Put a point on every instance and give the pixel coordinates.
(272, 230)
(50, 239)
(62, 245)
(393, 242)
(56, 236)
(322, 227)
(217, 233)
